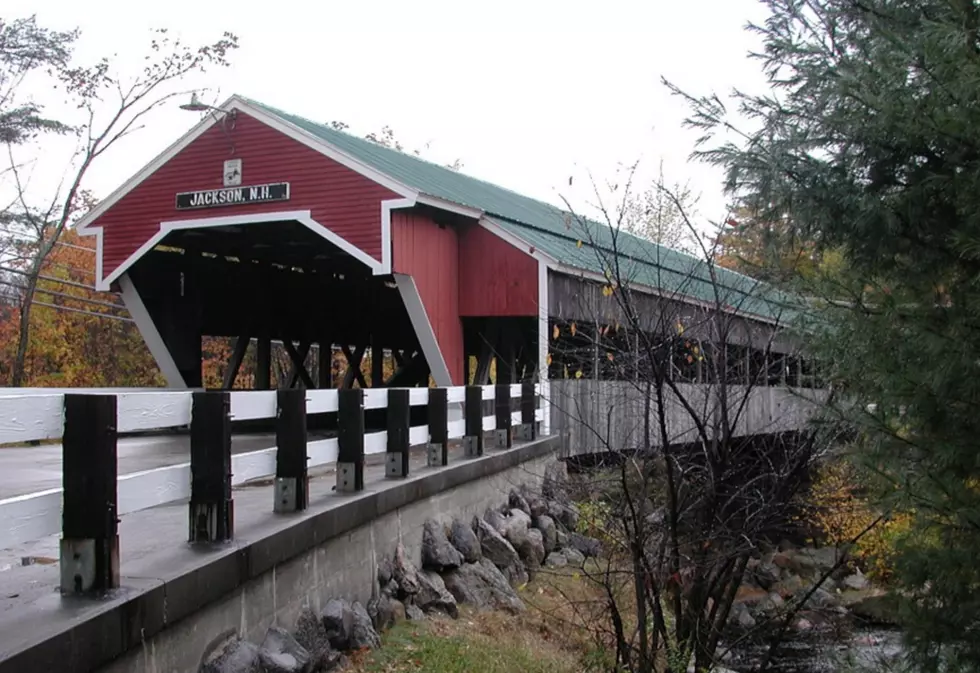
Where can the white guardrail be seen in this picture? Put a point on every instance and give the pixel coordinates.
(33, 414)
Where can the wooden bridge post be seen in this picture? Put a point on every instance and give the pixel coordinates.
(473, 412)
(292, 483)
(504, 437)
(211, 517)
(529, 425)
(350, 438)
(89, 547)
(399, 426)
(438, 427)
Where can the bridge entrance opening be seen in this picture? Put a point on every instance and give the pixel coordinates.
(280, 302)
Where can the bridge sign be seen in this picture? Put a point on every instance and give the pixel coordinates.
(211, 198)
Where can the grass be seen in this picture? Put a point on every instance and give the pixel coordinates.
(552, 636)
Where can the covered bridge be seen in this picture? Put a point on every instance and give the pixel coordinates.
(264, 226)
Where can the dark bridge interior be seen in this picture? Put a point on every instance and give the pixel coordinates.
(273, 282)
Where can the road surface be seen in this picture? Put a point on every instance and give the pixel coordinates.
(37, 468)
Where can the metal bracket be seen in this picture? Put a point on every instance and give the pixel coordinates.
(435, 455)
(471, 446)
(285, 495)
(393, 466)
(500, 438)
(345, 478)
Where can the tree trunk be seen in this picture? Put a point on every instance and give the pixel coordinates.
(24, 335)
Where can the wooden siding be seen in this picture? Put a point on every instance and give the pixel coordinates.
(429, 253)
(608, 416)
(496, 279)
(341, 200)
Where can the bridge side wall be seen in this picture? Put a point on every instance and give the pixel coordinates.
(607, 416)
(342, 567)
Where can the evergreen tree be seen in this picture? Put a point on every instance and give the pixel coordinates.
(869, 143)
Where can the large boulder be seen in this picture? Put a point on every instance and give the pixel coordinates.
(518, 501)
(437, 552)
(496, 520)
(493, 545)
(818, 561)
(573, 556)
(873, 607)
(856, 582)
(516, 574)
(556, 560)
(516, 529)
(465, 541)
(538, 506)
(281, 653)
(564, 514)
(537, 546)
(414, 613)
(434, 597)
(763, 572)
(384, 611)
(234, 655)
(404, 571)
(549, 530)
(362, 634)
(311, 634)
(483, 586)
(588, 546)
(338, 622)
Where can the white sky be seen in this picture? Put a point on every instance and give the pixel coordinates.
(524, 93)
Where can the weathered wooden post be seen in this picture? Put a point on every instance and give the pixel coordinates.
(90, 539)
(502, 405)
(473, 413)
(292, 482)
(211, 516)
(438, 427)
(529, 425)
(350, 438)
(399, 426)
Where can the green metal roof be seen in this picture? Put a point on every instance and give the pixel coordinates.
(552, 230)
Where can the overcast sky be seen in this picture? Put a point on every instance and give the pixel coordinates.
(525, 93)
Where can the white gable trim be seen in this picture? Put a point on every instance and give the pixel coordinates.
(150, 333)
(284, 127)
(423, 329)
(301, 216)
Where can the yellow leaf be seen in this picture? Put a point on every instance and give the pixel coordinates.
(606, 291)
(572, 329)
(578, 374)
(578, 244)
(680, 327)
(695, 350)
(555, 332)
(549, 358)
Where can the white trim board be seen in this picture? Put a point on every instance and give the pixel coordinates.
(301, 216)
(423, 329)
(150, 333)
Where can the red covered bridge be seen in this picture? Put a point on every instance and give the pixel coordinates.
(264, 226)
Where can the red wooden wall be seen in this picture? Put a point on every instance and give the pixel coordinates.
(496, 279)
(341, 200)
(430, 254)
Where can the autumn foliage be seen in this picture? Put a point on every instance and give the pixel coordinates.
(78, 337)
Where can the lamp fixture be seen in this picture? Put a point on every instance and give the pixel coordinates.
(226, 117)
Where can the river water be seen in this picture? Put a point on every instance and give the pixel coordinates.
(863, 650)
